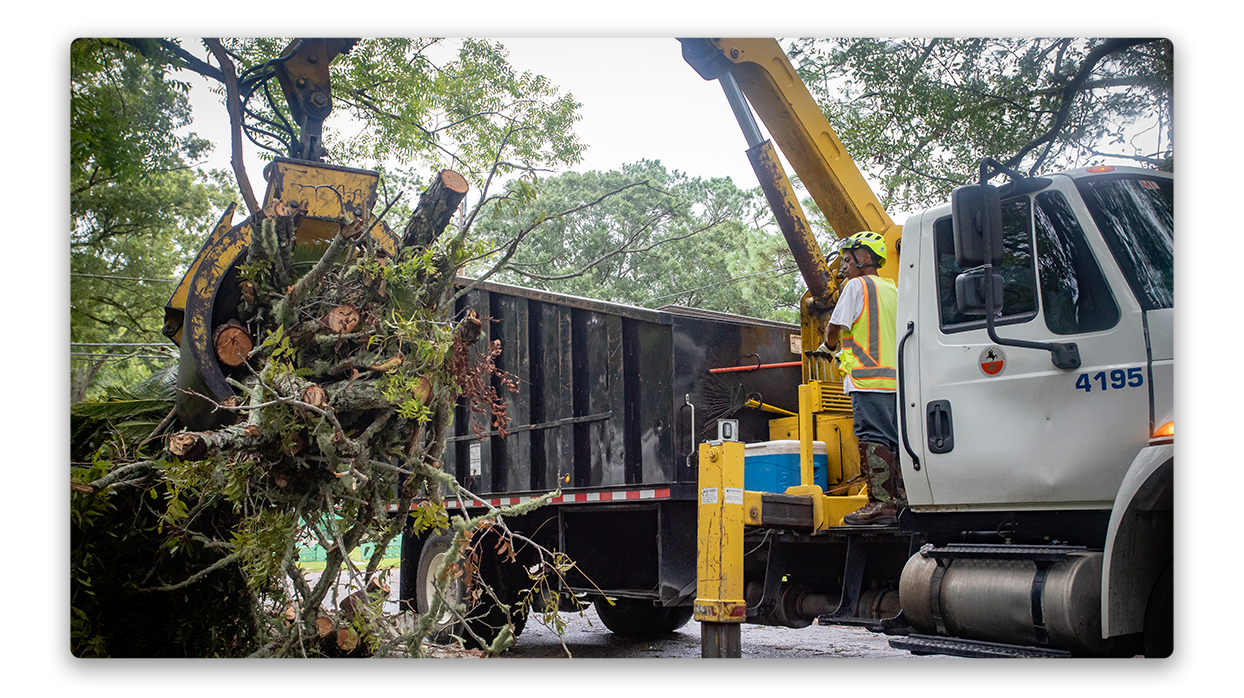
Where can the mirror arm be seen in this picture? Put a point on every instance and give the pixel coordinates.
(1063, 354)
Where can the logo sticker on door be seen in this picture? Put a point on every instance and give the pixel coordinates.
(992, 360)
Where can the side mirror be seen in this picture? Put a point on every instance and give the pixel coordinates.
(976, 214)
(970, 292)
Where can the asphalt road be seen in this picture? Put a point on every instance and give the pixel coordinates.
(585, 636)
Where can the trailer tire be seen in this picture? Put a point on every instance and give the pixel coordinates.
(1160, 616)
(485, 617)
(430, 556)
(641, 617)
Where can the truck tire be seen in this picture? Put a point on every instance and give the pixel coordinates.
(1160, 616)
(485, 617)
(641, 617)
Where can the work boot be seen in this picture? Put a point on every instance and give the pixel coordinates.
(876, 461)
(894, 477)
(873, 513)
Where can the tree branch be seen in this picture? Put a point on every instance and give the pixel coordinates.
(234, 103)
(1068, 98)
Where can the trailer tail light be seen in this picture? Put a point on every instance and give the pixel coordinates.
(1164, 434)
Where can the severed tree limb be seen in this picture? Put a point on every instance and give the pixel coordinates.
(115, 478)
(197, 446)
(285, 312)
(436, 208)
(234, 103)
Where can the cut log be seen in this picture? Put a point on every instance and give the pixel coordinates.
(347, 639)
(233, 343)
(342, 319)
(188, 446)
(351, 605)
(315, 396)
(248, 292)
(195, 446)
(436, 208)
(323, 626)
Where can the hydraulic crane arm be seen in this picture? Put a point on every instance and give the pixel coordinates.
(769, 81)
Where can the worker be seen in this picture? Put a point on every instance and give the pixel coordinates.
(861, 331)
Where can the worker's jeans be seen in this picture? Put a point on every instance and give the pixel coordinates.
(876, 417)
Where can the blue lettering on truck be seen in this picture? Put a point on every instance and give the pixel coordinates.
(1115, 380)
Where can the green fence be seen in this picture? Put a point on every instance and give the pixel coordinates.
(312, 552)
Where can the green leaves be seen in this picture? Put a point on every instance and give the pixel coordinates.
(437, 103)
(919, 114)
(645, 236)
(136, 209)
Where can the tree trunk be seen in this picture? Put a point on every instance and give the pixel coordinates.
(436, 208)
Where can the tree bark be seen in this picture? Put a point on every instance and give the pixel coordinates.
(436, 208)
(196, 446)
(234, 104)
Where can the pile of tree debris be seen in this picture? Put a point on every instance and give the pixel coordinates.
(347, 374)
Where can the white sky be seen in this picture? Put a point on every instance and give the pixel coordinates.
(639, 98)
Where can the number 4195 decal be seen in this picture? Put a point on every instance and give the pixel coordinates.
(1134, 378)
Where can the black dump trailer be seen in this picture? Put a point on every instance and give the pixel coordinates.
(612, 402)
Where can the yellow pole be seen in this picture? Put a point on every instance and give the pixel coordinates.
(719, 603)
(807, 420)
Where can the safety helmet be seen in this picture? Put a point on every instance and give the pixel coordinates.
(869, 239)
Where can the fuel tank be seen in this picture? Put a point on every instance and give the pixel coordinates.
(1007, 599)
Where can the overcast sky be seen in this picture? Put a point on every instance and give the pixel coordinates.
(640, 100)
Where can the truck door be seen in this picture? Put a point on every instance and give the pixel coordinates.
(1001, 427)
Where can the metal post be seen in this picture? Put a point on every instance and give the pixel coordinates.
(719, 604)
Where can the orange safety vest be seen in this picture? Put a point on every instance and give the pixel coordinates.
(869, 351)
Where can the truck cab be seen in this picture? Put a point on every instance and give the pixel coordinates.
(1088, 259)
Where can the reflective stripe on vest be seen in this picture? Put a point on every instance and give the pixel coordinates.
(868, 348)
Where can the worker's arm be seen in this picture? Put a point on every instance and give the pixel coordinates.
(832, 333)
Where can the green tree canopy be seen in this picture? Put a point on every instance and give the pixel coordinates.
(138, 209)
(643, 235)
(919, 114)
(423, 102)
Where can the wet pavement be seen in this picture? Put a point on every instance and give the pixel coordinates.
(585, 636)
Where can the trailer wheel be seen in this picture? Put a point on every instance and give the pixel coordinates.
(1160, 616)
(430, 557)
(640, 617)
(484, 617)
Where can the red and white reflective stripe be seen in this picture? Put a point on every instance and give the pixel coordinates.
(613, 496)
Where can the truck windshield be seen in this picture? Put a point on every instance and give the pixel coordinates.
(1136, 215)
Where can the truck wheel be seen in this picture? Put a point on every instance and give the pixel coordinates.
(485, 617)
(641, 617)
(1160, 616)
(430, 557)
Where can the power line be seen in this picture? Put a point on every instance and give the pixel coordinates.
(124, 278)
(784, 270)
(119, 344)
(123, 356)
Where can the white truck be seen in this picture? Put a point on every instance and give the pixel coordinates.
(1036, 410)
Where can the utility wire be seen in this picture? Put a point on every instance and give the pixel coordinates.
(119, 344)
(784, 270)
(123, 356)
(124, 278)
